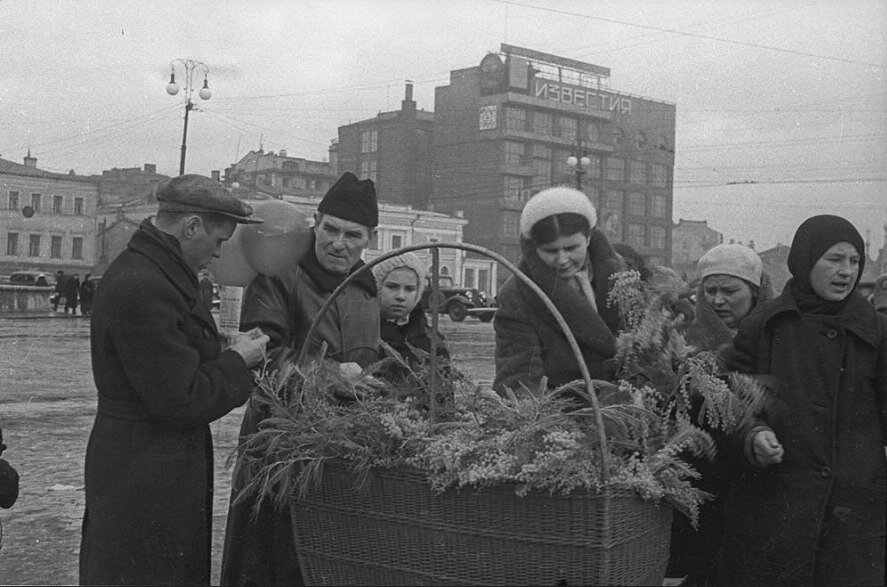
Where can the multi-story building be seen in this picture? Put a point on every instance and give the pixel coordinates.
(690, 239)
(279, 174)
(394, 150)
(47, 220)
(506, 128)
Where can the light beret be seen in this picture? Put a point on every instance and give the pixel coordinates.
(556, 200)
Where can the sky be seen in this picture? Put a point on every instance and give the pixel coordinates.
(781, 106)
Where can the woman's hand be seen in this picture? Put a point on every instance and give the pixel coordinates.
(767, 449)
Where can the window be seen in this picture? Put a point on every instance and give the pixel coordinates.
(13, 200)
(78, 206)
(615, 201)
(513, 186)
(12, 243)
(514, 153)
(638, 172)
(35, 202)
(657, 237)
(637, 204)
(374, 241)
(369, 141)
(469, 277)
(483, 279)
(57, 204)
(77, 248)
(618, 135)
(541, 173)
(636, 235)
(658, 204)
(55, 247)
(34, 245)
(593, 132)
(560, 162)
(515, 118)
(510, 222)
(640, 140)
(615, 169)
(566, 127)
(657, 175)
(593, 169)
(396, 241)
(369, 170)
(542, 122)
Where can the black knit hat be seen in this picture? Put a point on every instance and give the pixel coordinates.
(352, 199)
(813, 238)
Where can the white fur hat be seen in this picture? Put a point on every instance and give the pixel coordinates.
(408, 260)
(731, 259)
(556, 200)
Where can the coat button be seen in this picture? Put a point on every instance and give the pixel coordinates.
(831, 333)
(825, 472)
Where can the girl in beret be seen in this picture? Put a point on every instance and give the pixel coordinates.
(809, 506)
(571, 261)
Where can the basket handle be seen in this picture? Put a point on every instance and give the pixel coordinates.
(574, 346)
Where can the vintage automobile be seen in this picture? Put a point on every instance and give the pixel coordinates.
(37, 278)
(459, 302)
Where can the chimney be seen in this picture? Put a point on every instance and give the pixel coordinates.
(30, 161)
(150, 168)
(408, 102)
(216, 175)
(282, 153)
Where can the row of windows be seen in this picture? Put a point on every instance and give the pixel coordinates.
(547, 161)
(15, 245)
(369, 169)
(639, 204)
(566, 127)
(16, 202)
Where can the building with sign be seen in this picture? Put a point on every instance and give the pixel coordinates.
(506, 128)
(47, 220)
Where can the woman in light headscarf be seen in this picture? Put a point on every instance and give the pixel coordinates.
(809, 506)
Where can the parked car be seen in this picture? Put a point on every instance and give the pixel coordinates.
(459, 302)
(38, 278)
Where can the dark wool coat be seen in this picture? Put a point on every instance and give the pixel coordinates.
(414, 333)
(262, 551)
(818, 517)
(694, 550)
(161, 378)
(529, 342)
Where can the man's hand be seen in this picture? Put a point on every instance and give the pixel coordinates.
(767, 449)
(250, 345)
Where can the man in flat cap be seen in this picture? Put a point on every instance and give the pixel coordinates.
(161, 377)
(261, 551)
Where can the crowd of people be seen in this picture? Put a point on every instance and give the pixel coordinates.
(798, 492)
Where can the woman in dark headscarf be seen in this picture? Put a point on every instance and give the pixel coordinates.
(809, 508)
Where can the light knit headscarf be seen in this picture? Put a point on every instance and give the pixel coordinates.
(408, 260)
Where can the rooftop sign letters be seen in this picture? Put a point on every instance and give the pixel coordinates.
(579, 96)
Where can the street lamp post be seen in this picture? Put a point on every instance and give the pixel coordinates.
(580, 161)
(172, 88)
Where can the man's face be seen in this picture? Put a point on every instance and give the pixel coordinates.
(339, 243)
(204, 243)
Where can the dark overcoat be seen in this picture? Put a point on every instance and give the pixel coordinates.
(161, 378)
(818, 517)
(529, 342)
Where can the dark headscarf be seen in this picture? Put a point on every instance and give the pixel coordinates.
(813, 238)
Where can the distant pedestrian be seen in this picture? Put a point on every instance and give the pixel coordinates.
(72, 293)
(162, 378)
(8, 480)
(87, 292)
(59, 292)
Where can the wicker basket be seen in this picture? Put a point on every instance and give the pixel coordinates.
(393, 529)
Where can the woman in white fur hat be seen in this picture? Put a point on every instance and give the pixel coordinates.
(571, 261)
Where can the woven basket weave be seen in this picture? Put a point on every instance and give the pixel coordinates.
(395, 531)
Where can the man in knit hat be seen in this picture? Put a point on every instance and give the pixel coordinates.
(261, 551)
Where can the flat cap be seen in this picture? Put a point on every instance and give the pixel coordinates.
(196, 193)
